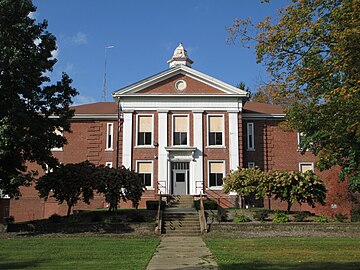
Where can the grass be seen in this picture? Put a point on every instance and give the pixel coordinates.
(286, 253)
(77, 253)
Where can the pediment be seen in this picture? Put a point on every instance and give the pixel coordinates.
(180, 80)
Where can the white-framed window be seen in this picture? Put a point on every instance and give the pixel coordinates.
(145, 170)
(61, 133)
(250, 136)
(109, 164)
(251, 164)
(216, 169)
(145, 132)
(306, 166)
(109, 137)
(216, 128)
(180, 129)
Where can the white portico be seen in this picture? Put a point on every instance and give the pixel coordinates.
(184, 125)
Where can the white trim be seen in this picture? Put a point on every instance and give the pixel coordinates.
(127, 140)
(251, 164)
(306, 163)
(111, 148)
(250, 130)
(208, 131)
(152, 171)
(259, 116)
(163, 185)
(208, 174)
(197, 166)
(137, 128)
(109, 164)
(233, 140)
(172, 130)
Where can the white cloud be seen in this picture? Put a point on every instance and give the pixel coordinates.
(55, 53)
(32, 15)
(80, 100)
(79, 39)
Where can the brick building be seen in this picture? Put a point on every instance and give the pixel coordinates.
(183, 131)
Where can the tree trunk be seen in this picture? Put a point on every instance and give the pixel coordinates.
(289, 206)
(69, 209)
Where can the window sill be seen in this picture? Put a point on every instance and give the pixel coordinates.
(215, 188)
(57, 150)
(109, 150)
(150, 188)
(144, 146)
(216, 146)
(250, 149)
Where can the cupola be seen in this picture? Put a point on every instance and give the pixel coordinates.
(180, 57)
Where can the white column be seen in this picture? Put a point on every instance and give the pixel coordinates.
(233, 140)
(162, 159)
(127, 140)
(196, 173)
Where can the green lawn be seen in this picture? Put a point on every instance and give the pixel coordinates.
(76, 253)
(286, 253)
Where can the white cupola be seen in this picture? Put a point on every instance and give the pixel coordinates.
(180, 57)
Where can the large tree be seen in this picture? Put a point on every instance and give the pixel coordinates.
(31, 108)
(312, 50)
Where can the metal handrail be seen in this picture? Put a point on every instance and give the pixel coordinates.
(159, 217)
(203, 225)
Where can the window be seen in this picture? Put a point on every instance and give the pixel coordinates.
(251, 165)
(250, 136)
(108, 164)
(109, 136)
(216, 129)
(181, 126)
(144, 169)
(306, 166)
(216, 173)
(144, 130)
(58, 132)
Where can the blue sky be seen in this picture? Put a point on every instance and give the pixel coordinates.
(145, 34)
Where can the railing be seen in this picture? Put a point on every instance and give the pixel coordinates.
(159, 217)
(203, 225)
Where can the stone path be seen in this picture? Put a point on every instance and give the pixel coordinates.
(182, 253)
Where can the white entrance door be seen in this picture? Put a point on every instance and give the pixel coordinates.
(180, 182)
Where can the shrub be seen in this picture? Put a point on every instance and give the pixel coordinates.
(321, 219)
(208, 205)
(355, 214)
(54, 218)
(222, 215)
(154, 205)
(280, 218)
(340, 217)
(96, 217)
(261, 215)
(299, 217)
(136, 216)
(241, 218)
(9, 220)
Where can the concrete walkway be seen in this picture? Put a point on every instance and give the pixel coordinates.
(182, 253)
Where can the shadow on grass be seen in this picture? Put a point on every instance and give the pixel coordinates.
(290, 266)
(19, 265)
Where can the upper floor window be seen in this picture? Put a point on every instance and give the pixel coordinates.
(145, 169)
(180, 130)
(216, 173)
(145, 127)
(109, 136)
(250, 136)
(306, 166)
(216, 130)
(58, 132)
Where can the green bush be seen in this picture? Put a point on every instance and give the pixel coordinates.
(54, 218)
(340, 217)
(136, 216)
(241, 218)
(208, 205)
(355, 214)
(300, 217)
(154, 205)
(280, 218)
(321, 219)
(261, 215)
(96, 217)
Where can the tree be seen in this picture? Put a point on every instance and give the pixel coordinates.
(312, 50)
(301, 187)
(31, 108)
(118, 184)
(69, 183)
